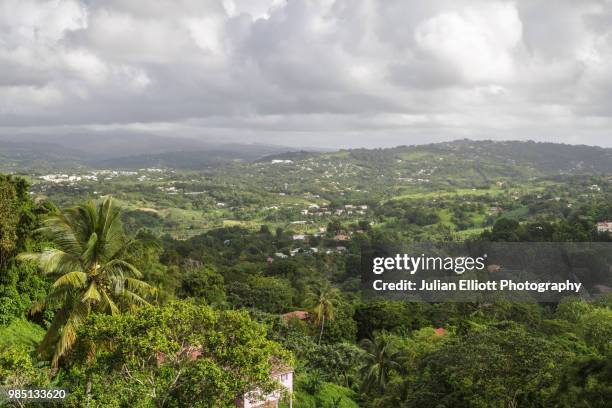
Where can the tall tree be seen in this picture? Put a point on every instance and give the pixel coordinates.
(323, 302)
(380, 359)
(92, 273)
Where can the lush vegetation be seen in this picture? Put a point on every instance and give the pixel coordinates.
(175, 292)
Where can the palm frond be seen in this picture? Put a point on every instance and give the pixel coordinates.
(75, 279)
(133, 299)
(53, 332)
(91, 294)
(67, 337)
(52, 261)
(120, 266)
(108, 304)
(55, 298)
(139, 286)
(59, 230)
(83, 220)
(90, 254)
(38, 306)
(110, 228)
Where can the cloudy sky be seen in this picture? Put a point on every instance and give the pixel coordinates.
(309, 72)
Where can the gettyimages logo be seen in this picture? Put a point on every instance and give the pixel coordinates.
(487, 271)
(412, 264)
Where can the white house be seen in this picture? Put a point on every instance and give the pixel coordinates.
(605, 226)
(254, 399)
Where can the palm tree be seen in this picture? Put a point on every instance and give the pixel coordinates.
(323, 302)
(380, 359)
(92, 273)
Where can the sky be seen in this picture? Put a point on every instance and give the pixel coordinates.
(324, 73)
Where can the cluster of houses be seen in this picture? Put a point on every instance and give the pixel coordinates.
(339, 238)
(67, 179)
(96, 175)
(316, 211)
(311, 251)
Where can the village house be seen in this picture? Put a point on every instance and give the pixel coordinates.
(254, 399)
(605, 226)
(341, 237)
(298, 314)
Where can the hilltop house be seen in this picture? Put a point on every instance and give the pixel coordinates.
(254, 399)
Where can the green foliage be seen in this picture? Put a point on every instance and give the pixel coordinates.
(215, 251)
(181, 354)
(597, 329)
(19, 370)
(91, 268)
(337, 362)
(495, 367)
(323, 395)
(270, 294)
(323, 302)
(585, 383)
(382, 358)
(9, 217)
(384, 315)
(204, 284)
(21, 333)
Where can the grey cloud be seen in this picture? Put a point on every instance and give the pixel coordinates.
(336, 73)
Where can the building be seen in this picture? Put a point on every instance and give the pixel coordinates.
(341, 237)
(254, 399)
(605, 226)
(298, 314)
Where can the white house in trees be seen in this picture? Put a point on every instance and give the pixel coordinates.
(604, 226)
(254, 399)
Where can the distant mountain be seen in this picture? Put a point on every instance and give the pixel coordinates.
(20, 156)
(125, 150)
(106, 145)
(299, 155)
(213, 156)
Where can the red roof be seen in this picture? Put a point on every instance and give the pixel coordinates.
(341, 237)
(440, 331)
(298, 314)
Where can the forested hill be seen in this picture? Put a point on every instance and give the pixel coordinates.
(549, 157)
(523, 156)
(489, 159)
